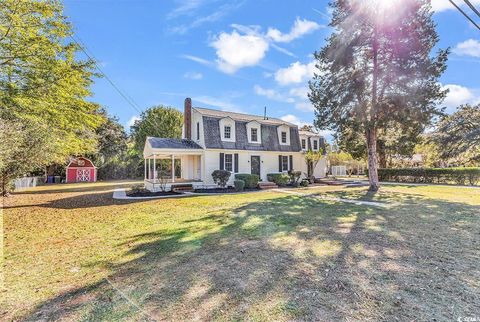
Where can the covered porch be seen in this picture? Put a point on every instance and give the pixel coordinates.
(169, 170)
(167, 164)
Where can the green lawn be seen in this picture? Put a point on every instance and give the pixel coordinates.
(73, 253)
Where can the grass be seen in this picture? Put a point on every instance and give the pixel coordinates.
(73, 253)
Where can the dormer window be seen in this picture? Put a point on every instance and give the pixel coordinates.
(227, 129)
(198, 131)
(254, 134)
(304, 144)
(315, 144)
(283, 134)
(227, 132)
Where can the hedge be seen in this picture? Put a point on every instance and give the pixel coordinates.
(461, 176)
(251, 180)
(281, 179)
(239, 185)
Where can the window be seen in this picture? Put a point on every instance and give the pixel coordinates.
(284, 137)
(229, 162)
(315, 144)
(304, 144)
(284, 162)
(227, 132)
(198, 130)
(254, 135)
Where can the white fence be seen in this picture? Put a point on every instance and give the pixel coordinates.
(28, 182)
(339, 170)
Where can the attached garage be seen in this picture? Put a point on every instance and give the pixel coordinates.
(81, 170)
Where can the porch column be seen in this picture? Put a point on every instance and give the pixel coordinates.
(173, 168)
(144, 168)
(154, 169)
(148, 170)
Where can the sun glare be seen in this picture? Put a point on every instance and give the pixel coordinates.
(382, 11)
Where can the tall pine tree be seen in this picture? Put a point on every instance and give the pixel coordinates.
(377, 68)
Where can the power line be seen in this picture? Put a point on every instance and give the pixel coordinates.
(472, 7)
(127, 98)
(466, 16)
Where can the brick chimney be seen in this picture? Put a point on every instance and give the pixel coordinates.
(187, 118)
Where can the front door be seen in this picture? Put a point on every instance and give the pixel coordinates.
(255, 164)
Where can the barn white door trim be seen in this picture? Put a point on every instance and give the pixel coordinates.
(83, 175)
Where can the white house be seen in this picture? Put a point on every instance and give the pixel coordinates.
(239, 143)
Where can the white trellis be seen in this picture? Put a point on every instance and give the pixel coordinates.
(339, 170)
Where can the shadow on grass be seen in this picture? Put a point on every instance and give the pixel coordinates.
(78, 187)
(293, 258)
(102, 199)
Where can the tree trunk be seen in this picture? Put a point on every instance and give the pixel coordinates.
(371, 135)
(371, 131)
(382, 157)
(4, 186)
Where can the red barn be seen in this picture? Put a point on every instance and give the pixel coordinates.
(81, 170)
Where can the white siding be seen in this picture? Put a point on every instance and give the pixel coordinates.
(197, 118)
(268, 163)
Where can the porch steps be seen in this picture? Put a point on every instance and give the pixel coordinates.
(267, 185)
(182, 188)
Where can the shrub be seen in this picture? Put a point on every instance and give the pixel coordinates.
(305, 183)
(137, 188)
(221, 177)
(239, 185)
(281, 179)
(251, 180)
(459, 176)
(294, 177)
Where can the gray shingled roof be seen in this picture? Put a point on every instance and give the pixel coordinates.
(269, 137)
(164, 143)
(241, 116)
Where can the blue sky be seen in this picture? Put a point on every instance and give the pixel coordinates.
(238, 55)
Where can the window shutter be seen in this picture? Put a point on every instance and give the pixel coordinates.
(222, 161)
(291, 162)
(235, 163)
(280, 163)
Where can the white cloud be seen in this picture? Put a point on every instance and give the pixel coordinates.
(235, 51)
(283, 50)
(299, 28)
(442, 5)
(197, 60)
(303, 103)
(305, 106)
(185, 7)
(197, 21)
(217, 102)
(459, 95)
(295, 73)
(272, 94)
(470, 47)
(132, 120)
(300, 92)
(193, 75)
(294, 120)
(247, 45)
